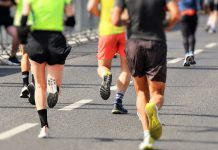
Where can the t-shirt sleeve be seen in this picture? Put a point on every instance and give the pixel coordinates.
(120, 3)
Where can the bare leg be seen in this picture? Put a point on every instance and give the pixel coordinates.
(15, 44)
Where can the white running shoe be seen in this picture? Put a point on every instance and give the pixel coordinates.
(43, 132)
(147, 143)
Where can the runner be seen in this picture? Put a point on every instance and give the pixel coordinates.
(111, 41)
(213, 14)
(47, 50)
(7, 21)
(146, 52)
(189, 22)
(28, 89)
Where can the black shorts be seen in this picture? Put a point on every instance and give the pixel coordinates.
(47, 46)
(148, 58)
(6, 21)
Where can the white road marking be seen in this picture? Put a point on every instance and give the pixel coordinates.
(114, 88)
(211, 45)
(198, 51)
(76, 105)
(7, 134)
(173, 61)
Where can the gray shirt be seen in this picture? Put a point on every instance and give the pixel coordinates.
(146, 18)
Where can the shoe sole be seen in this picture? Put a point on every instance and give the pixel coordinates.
(105, 92)
(31, 89)
(155, 126)
(52, 99)
(118, 112)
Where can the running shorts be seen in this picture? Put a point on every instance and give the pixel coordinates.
(109, 45)
(148, 58)
(6, 21)
(47, 46)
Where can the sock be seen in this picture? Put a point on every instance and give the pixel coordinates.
(33, 80)
(25, 77)
(43, 117)
(191, 52)
(146, 134)
(119, 98)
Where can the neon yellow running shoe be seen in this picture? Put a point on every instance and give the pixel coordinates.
(155, 126)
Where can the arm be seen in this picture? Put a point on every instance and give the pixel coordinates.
(173, 13)
(69, 11)
(119, 16)
(92, 7)
(7, 3)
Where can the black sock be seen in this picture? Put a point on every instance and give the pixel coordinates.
(33, 80)
(25, 76)
(43, 117)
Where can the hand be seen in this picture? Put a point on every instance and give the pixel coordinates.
(70, 21)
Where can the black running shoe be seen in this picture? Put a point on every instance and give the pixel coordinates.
(119, 109)
(52, 98)
(13, 61)
(53, 92)
(31, 89)
(24, 92)
(105, 91)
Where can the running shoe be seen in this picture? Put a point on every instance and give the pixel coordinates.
(105, 86)
(31, 89)
(192, 60)
(53, 92)
(186, 62)
(211, 31)
(155, 126)
(119, 109)
(24, 92)
(13, 61)
(147, 144)
(43, 132)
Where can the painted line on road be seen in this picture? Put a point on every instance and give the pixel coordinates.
(173, 61)
(211, 45)
(76, 105)
(7, 134)
(198, 51)
(114, 88)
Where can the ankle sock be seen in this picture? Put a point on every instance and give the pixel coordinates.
(25, 77)
(119, 98)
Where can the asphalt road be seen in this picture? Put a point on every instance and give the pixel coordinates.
(81, 120)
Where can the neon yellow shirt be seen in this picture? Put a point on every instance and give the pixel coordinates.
(18, 14)
(105, 25)
(48, 14)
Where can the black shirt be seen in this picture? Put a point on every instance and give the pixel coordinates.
(146, 18)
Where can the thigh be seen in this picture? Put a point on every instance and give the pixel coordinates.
(185, 27)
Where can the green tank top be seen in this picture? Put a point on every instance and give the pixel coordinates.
(18, 14)
(105, 25)
(48, 14)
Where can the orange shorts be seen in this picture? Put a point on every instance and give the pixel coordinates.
(109, 45)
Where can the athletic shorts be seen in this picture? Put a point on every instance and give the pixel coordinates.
(109, 45)
(148, 58)
(6, 21)
(47, 46)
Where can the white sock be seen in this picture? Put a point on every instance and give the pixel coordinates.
(146, 134)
